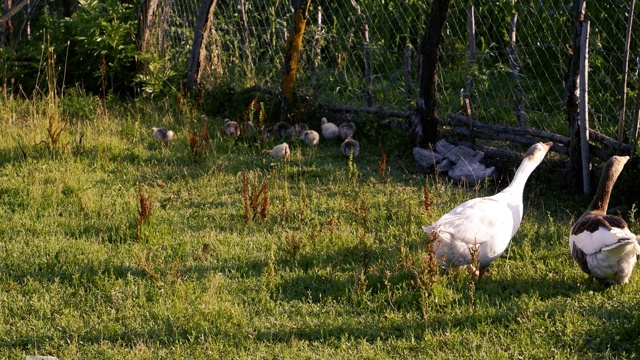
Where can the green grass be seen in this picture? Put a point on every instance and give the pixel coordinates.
(330, 272)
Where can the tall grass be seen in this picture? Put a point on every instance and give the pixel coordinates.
(333, 264)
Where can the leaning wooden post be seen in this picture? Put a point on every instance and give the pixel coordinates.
(408, 82)
(292, 53)
(424, 121)
(571, 94)
(625, 69)
(368, 97)
(245, 35)
(471, 36)
(201, 33)
(7, 26)
(513, 62)
(584, 108)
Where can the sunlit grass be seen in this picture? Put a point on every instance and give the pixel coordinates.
(330, 271)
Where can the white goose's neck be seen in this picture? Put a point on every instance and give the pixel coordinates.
(521, 176)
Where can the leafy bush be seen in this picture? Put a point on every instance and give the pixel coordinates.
(102, 45)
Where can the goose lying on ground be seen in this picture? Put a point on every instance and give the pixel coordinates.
(231, 128)
(602, 244)
(283, 130)
(329, 130)
(347, 129)
(483, 227)
(163, 135)
(279, 152)
(310, 137)
(350, 147)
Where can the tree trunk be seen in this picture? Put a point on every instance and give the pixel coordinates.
(424, 122)
(69, 7)
(203, 24)
(148, 13)
(292, 53)
(571, 95)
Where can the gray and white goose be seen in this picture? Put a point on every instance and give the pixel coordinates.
(602, 244)
(484, 226)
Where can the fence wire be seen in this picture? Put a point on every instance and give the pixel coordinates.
(247, 43)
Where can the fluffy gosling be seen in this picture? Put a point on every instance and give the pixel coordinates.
(283, 130)
(347, 129)
(279, 152)
(231, 128)
(310, 137)
(329, 130)
(350, 147)
(162, 135)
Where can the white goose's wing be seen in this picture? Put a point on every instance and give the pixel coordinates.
(477, 221)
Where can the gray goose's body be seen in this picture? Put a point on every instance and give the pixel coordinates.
(601, 244)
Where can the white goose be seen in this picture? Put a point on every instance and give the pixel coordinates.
(484, 226)
(602, 244)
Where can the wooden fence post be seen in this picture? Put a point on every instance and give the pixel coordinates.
(245, 34)
(408, 82)
(471, 37)
(571, 95)
(368, 97)
(636, 113)
(317, 42)
(625, 69)
(584, 108)
(200, 35)
(513, 62)
(423, 121)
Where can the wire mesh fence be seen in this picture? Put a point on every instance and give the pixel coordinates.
(247, 43)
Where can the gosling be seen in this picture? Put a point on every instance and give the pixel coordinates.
(329, 130)
(350, 147)
(310, 137)
(347, 130)
(279, 152)
(231, 128)
(162, 135)
(283, 130)
(300, 128)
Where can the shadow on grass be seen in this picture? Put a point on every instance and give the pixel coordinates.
(513, 288)
(618, 334)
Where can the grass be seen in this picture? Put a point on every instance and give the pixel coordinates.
(336, 266)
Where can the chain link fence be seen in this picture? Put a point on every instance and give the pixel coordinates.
(247, 44)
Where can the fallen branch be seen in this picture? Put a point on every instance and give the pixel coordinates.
(378, 111)
(502, 129)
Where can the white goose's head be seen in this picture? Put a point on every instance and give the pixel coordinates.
(537, 152)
